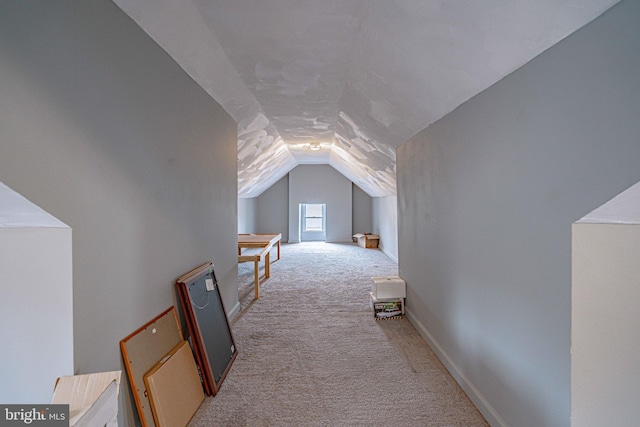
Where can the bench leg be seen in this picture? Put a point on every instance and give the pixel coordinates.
(267, 266)
(256, 278)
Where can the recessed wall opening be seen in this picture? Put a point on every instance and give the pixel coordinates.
(313, 222)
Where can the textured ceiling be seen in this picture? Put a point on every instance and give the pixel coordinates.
(357, 77)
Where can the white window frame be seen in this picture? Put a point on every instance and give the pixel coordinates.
(306, 217)
(313, 233)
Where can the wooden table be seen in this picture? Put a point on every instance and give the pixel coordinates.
(258, 241)
(258, 246)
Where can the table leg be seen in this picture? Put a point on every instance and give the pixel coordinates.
(267, 266)
(256, 278)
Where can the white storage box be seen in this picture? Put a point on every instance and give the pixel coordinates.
(389, 287)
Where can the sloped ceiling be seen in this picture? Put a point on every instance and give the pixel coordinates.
(356, 78)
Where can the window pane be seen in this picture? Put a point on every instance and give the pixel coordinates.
(314, 210)
(313, 224)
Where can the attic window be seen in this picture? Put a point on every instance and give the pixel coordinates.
(313, 217)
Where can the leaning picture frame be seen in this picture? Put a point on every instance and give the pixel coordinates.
(208, 325)
(142, 349)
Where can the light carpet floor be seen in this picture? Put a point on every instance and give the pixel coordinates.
(311, 354)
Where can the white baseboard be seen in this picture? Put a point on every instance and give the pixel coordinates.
(234, 311)
(485, 408)
(391, 256)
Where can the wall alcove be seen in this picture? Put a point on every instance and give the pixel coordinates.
(36, 308)
(605, 313)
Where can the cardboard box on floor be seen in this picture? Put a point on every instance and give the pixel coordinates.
(388, 308)
(92, 398)
(367, 240)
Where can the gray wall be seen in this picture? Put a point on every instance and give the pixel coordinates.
(385, 224)
(273, 208)
(321, 184)
(370, 214)
(99, 127)
(487, 196)
(361, 205)
(247, 215)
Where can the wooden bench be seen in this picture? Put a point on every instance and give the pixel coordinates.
(255, 255)
(258, 241)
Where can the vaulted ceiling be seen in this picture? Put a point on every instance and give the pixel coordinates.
(353, 79)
